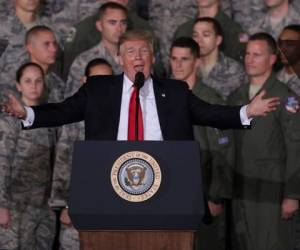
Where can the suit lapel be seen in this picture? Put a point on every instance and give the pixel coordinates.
(116, 99)
(161, 103)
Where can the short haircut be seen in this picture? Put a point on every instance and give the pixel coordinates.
(262, 36)
(133, 35)
(111, 5)
(22, 68)
(34, 31)
(293, 27)
(189, 43)
(95, 62)
(214, 22)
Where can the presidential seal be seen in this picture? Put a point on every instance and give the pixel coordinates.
(135, 176)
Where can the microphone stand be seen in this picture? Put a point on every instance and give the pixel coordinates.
(138, 83)
(137, 105)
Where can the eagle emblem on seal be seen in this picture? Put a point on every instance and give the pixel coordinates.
(135, 176)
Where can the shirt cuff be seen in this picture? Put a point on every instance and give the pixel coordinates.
(28, 121)
(244, 118)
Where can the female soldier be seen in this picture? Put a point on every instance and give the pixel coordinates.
(26, 221)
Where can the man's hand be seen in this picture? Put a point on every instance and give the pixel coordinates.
(4, 218)
(215, 209)
(13, 107)
(65, 218)
(261, 107)
(288, 208)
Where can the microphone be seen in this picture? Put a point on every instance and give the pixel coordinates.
(139, 80)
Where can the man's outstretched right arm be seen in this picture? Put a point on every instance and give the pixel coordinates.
(48, 115)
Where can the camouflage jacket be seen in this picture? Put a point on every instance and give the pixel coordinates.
(79, 65)
(226, 76)
(25, 164)
(264, 24)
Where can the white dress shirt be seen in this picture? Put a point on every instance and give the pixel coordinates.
(152, 130)
(151, 124)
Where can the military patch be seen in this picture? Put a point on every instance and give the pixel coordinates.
(3, 45)
(292, 104)
(71, 35)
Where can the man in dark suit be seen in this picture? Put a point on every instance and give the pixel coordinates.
(169, 108)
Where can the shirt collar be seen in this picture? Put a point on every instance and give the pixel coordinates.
(146, 90)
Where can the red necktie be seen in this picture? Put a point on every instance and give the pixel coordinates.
(131, 118)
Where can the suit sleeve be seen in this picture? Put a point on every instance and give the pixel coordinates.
(57, 114)
(212, 115)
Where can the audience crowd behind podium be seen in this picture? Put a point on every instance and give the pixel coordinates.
(226, 50)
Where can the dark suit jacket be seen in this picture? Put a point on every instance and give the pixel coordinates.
(98, 104)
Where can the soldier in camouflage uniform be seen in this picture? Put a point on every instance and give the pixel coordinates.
(289, 44)
(69, 239)
(217, 71)
(13, 31)
(217, 152)
(25, 165)
(85, 35)
(266, 184)
(106, 49)
(34, 51)
(231, 31)
(273, 23)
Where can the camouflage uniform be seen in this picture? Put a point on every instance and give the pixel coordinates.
(267, 170)
(293, 81)
(12, 41)
(25, 166)
(5, 7)
(71, 12)
(245, 12)
(226, 76)
(231, 45)
(85, 36)
(264, 24)
(78, 67)
(165, 17)
(14, 58)
(69, 239)
(217, 161)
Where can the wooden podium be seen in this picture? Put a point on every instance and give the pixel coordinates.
(136, 240)
(166, 221)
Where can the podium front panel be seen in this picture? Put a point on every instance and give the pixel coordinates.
(178, 203)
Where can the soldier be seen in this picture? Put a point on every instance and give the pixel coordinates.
(69, 238)
(112, 23)
(85, 34)
(231, 30)
(217, 71)
(289, 44)
(217, 152)
(23, 16)
(41, 48)
(26, 221)
(280, 13)
(266, 184)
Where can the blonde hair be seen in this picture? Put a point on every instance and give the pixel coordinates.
(133, 35)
